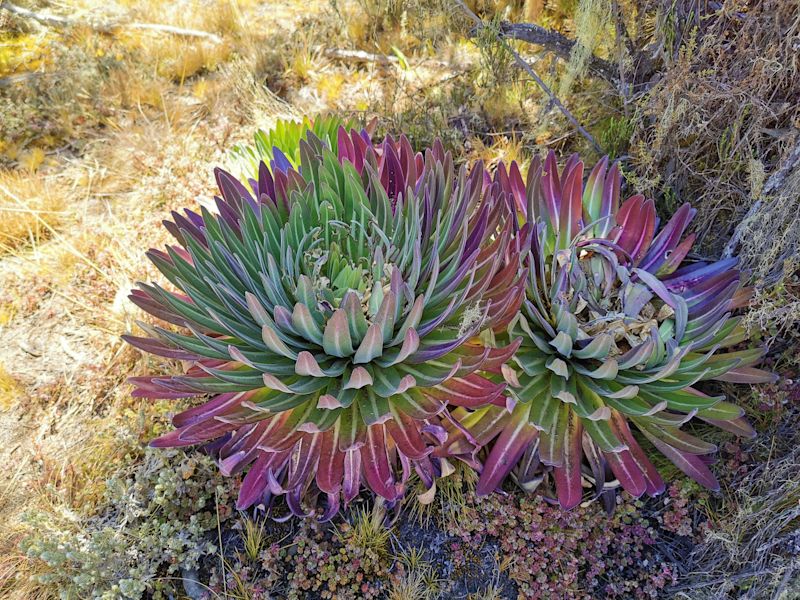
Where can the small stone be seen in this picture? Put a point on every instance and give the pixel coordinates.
(192, 586)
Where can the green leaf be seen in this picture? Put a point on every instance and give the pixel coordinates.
(371, 346)
(336, 340)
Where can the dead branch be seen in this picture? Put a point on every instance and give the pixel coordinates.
(360, 56)
(60, 22)
(556, 43)
(51, 20)
(211, 37)
(522, 64)
(10, 80)
(728, 578)
(774, 183)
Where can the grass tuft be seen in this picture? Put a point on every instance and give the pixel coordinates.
(418, 580)
(450, 498)
(254, 536)
(367, 530)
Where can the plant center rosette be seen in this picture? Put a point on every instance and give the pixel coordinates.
(329, 311)
(618, 327)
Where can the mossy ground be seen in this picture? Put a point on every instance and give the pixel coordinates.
(101, 134)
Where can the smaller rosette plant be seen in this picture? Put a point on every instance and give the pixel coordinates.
(618, 327)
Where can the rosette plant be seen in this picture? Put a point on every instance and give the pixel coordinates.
(617, 328)
(327, 313)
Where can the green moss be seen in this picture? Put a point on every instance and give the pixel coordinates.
(615, 135)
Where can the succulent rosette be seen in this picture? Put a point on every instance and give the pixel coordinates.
(328, 311)
(618, 327)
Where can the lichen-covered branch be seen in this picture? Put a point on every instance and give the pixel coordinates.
(556, 43)
(773, 185)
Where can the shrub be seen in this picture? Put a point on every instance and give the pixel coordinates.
(160, 521)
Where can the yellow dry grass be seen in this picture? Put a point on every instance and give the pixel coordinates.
(419, 579)
(32, 206)
(68, 422)
(73, 231)
(80, 207)
(500, 148)
(9, 388)
(21, 52)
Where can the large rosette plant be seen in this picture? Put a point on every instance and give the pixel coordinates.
(328, 311)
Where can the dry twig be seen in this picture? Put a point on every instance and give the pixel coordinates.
(59, 21)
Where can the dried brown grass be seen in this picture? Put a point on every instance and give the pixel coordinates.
(68, 421)
(724, 112)
(751, 549)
